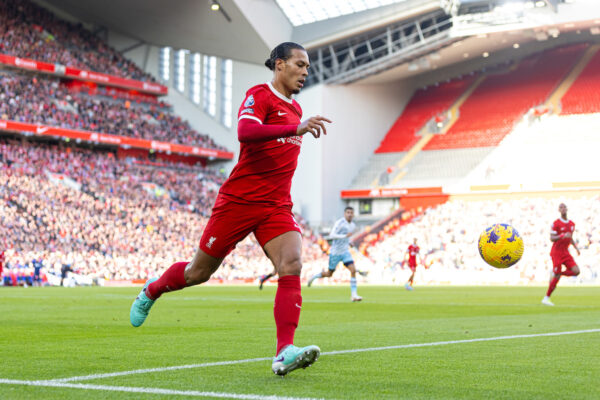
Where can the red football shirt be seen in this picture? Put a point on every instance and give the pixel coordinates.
(412, 254)
(264, 170)
(559, 227)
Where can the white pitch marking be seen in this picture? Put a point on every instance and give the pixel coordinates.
(171, 392)
(408, 346)
(349, 351)
(161, 369)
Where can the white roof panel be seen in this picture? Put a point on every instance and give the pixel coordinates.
(301, 12)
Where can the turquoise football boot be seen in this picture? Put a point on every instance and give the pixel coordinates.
(292, 357)
(141, 306)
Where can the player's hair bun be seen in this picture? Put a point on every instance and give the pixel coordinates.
(269, 63)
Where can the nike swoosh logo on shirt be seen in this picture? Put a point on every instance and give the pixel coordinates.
(281, 113)
(297, 305)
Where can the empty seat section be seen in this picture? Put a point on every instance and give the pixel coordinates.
(491, 111)
(583, 97)
(424, 105)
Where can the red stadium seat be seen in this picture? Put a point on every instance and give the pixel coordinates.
(424, 105)
(501, 100)
(583, 97)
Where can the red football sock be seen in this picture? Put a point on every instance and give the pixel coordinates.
(568, 272)
(171, 280)
(552, 285)
(288, 302)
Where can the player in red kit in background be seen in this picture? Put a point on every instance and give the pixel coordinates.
(256, 199)
(412, 252)
(561, 236)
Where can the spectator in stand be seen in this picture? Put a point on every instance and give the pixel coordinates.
(43, 100)
(113, 218)
(30, 31)
(448, 237)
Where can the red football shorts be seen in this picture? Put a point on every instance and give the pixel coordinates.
(562, 259)
(412, 265)
(231, 222)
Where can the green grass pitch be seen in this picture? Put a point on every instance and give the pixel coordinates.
(52, 333)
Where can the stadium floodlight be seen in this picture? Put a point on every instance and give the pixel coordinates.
(216, 6)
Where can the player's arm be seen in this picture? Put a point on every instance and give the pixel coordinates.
(554, 235)
(250, 130)
(335, 234)
(575, 245)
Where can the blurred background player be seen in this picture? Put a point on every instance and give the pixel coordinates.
(64, 270)
(266, 277)
(561, 236)
(411, 256)
(340, 251)
(256, 199)
(38, 264)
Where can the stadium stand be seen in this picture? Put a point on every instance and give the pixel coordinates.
(378, 168)
(583, 97)
(40, 99)
(541, 141)
(112, 218)
(425, 104)
(439, 167)
(502, 99)
(448, 237)
(29, 31)
(499, 101)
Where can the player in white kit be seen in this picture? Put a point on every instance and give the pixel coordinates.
(340, 250)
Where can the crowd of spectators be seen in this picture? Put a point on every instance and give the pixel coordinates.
(110, 218)
(448, 237)
(38, 99)
(30, 31)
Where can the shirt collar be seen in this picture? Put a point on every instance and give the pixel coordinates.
(276, 93)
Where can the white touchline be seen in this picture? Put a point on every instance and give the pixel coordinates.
(250, 360)
(161, 369)
(192, 393)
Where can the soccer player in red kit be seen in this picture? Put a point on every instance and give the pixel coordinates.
(561, 236)
(412, 252)
(256, 199)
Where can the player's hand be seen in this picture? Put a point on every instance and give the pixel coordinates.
(349, 234)
(568, 235)
(578, 252)
(314, 125)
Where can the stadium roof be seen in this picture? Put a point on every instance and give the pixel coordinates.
(243, 30)
(301, 12)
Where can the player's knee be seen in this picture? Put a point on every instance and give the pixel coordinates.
(576, 270)
(290, 266)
